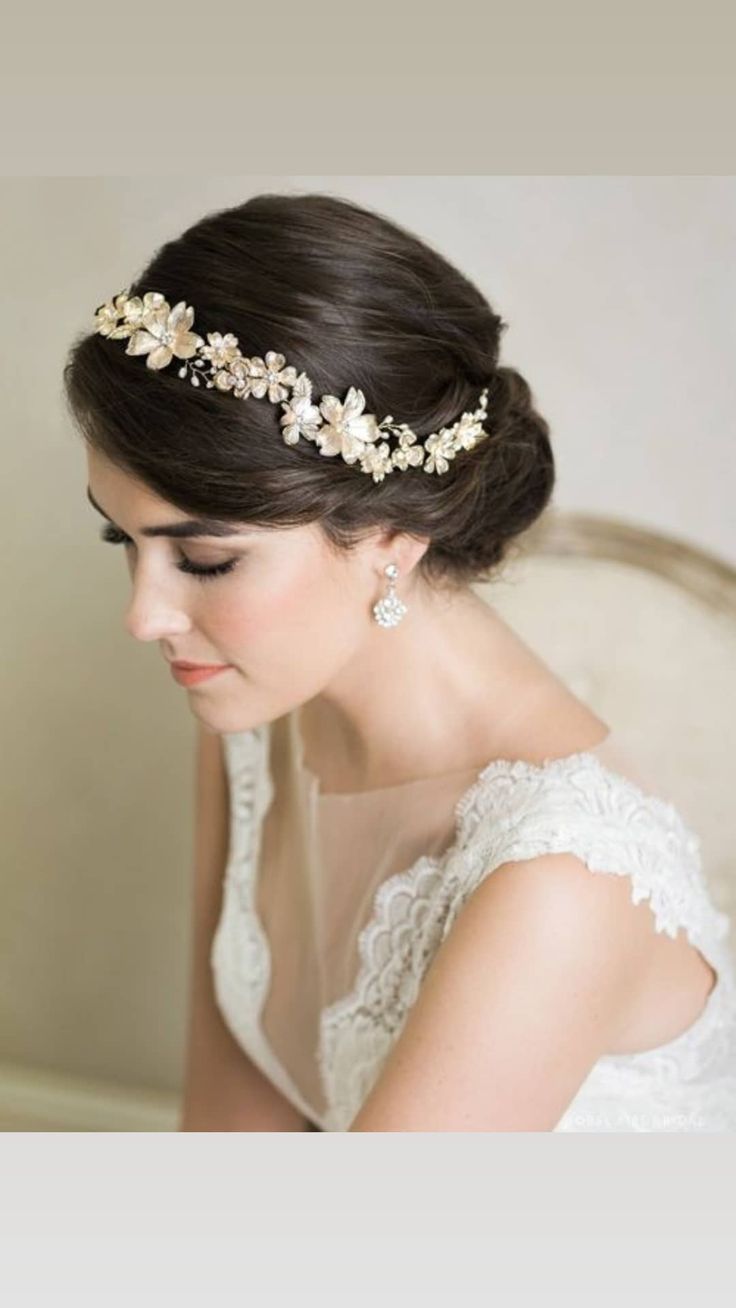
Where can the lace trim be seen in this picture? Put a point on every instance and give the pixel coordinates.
(617, 827)
(241, 960)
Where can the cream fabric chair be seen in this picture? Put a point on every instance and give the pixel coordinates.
(642, 627)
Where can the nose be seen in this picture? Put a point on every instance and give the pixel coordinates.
(151, 616)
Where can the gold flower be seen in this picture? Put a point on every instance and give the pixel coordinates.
(106, 317)
(376, 459)
(133, 311)
(165, 333)
(240, 374)
(222, 350)
(130, 310)
(271, 376)
(348, 430)
(109, 314)
(300, 416)
(440, 447)
(467, 431)
(409, 454)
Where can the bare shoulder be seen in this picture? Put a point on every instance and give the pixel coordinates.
(557, 723)
(526, 992)
(573, 910)
(551, 920)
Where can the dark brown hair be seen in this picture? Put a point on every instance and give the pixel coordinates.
(353, 299)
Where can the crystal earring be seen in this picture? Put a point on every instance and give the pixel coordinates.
(389, 611)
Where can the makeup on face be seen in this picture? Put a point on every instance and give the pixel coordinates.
(192, 676)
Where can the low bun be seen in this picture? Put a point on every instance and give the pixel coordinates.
(496, 492)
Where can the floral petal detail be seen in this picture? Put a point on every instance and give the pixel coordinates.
(274, 362)
(157, 321)
(354, 404)
(331, 408)
(159, 357)
(302, 386)
(105, 314)
(364, 428)
(352, 449)
(140, 343)
(186, 345)
(310, 415)
(330, 441)
(180, 317)
(134, 309)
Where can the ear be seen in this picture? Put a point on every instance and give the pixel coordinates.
(400, 548)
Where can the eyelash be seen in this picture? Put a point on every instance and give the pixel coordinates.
(114, 536)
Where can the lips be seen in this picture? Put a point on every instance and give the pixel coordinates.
(197, 667)
(192, 676)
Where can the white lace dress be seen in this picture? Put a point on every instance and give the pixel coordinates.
(334, 904)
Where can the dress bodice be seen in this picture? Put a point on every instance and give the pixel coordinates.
(334, 905)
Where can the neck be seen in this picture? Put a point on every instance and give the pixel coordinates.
(433, 694)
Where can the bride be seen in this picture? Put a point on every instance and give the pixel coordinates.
(428, 896)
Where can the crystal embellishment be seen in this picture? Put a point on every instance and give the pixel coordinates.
(389, 611)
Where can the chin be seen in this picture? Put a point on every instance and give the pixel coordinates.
(227, 718)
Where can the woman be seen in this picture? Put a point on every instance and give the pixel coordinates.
(261, 410)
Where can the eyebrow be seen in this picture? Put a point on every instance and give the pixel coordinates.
(185, 529)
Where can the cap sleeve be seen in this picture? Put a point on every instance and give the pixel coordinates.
(578, 805)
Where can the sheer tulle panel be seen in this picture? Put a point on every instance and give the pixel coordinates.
(322, 860)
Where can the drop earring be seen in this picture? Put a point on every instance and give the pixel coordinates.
(389, 611)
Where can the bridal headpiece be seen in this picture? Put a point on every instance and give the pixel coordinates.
(152, 328)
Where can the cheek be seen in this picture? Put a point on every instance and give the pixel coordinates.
(283, 612)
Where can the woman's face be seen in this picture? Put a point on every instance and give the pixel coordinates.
(286, 616)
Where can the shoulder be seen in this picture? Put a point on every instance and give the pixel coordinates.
(525, 993)
(555, 902)
(576, 805)
(561, 940)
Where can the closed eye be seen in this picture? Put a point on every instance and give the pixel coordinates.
(113, 536)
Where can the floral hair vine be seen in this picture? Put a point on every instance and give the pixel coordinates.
(153, 328)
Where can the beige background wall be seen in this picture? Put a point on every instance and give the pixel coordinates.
(619, 293)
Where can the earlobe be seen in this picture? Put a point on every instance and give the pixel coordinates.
(404, 551)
